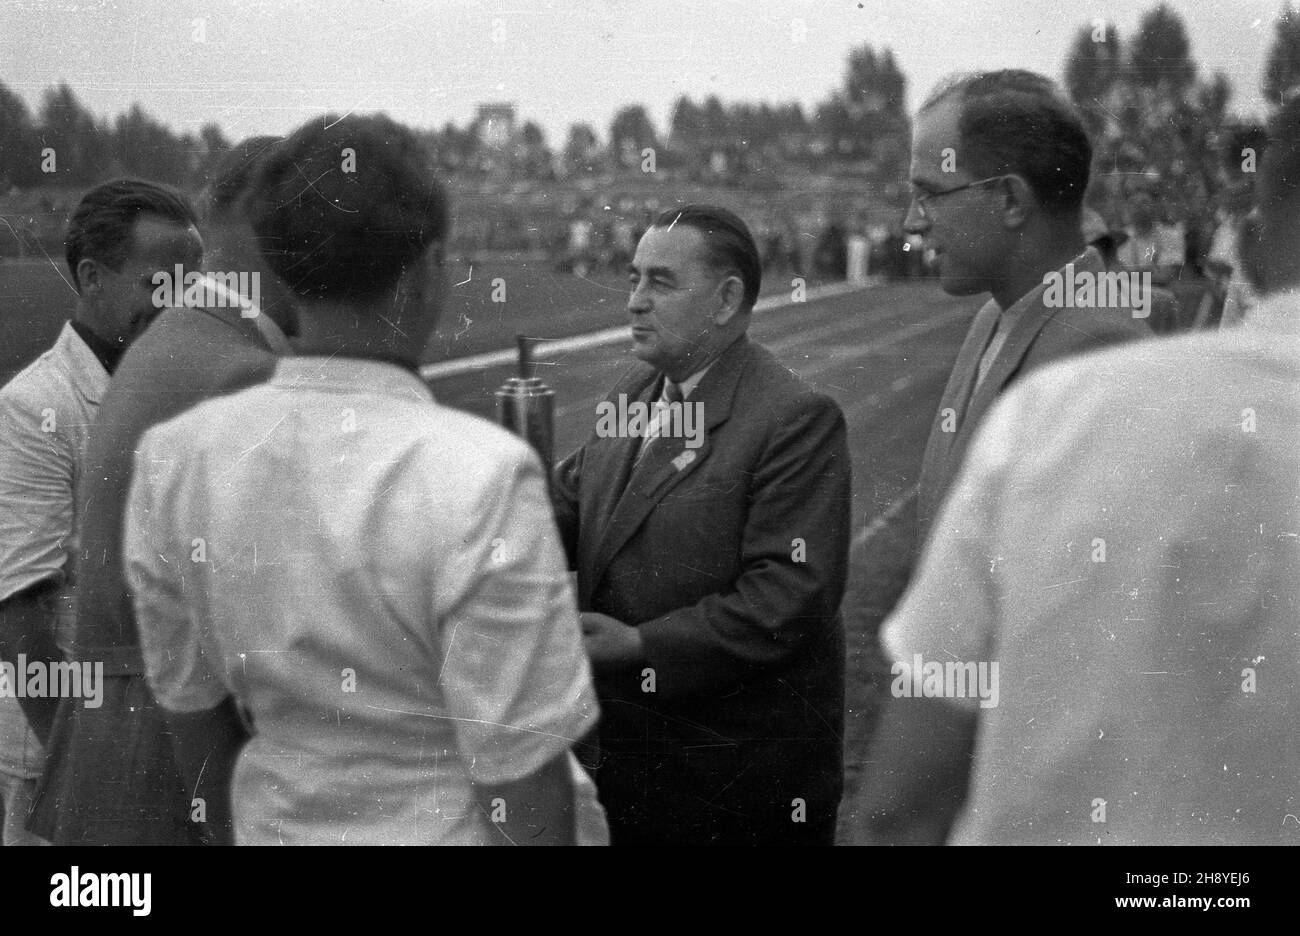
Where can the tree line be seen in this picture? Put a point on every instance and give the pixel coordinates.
(1145, 100)
(64, 145)
(863, 121)
(1158, 122)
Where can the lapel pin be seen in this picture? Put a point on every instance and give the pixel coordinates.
(684, 459)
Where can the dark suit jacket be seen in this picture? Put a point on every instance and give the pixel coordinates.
(1041, 336)
(732, 563)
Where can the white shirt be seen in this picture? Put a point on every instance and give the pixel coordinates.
(46, 412)
(1124, 542)
(45, 416)
(379, 586)
(688, 385)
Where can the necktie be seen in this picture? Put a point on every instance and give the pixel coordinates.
(661, 417)
(990, 353)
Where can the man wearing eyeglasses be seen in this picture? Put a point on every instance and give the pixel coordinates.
(998, 173)
(1128, 682)
(999, 169)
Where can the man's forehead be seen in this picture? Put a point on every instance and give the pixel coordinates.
(152, 235)
(674, 246)
(936, 155)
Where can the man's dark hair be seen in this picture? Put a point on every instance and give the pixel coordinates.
(728, 244)
(1019, 122)
(102, 226)
(344, 205)
(231, 175)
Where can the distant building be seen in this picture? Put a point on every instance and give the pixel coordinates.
(495, 125)
(495, 128)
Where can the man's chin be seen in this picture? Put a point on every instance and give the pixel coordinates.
(954, 284)
(642, 349)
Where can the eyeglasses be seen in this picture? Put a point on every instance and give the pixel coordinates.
(920, 200)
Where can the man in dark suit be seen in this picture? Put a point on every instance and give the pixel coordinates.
(1122, 676)
(711, 563)
(999, 168)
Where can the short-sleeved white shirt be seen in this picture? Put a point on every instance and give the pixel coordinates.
(45, 416)
(46, 412)
(1124, 543)
(377, 581)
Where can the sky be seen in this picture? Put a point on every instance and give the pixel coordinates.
(264, 66)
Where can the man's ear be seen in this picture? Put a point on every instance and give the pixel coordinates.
(90, 278)
(421, 288)
(1019, 201)
(731, 292)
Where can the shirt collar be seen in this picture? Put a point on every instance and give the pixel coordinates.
(107, 353)
(691, 382)
(350, 375)
(88, 374)
(272, 334)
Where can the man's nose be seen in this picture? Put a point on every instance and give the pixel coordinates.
(637, 301)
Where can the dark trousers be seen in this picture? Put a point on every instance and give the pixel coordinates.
(110, 777)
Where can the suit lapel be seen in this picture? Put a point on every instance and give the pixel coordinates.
(669, 462)
(1026, 328)
(967, 367)
(956, 396)
(611, 460)
(1032, 320)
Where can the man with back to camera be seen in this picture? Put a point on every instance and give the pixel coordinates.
(110, 776)
(711, 560)
(120, 234)
(378, 605)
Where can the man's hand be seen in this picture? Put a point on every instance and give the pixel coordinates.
(609, 643)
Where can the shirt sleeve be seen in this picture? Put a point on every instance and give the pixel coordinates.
(36, 492)
(176, 665)
(515, 675)
(949, 613)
